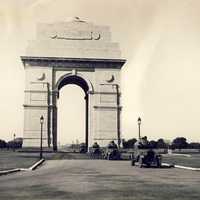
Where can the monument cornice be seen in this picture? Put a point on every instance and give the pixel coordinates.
(59, 62)
(106, 93)
(35, 91)
(35, 106)
(108, 107)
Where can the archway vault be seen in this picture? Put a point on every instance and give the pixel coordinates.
(75, 52)
(77, 79)
(83, 84)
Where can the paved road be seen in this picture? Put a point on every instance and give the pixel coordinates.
(99, 180)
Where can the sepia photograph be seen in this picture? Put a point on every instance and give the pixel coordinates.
(100, 100)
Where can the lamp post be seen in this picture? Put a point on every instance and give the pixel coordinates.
(139, 123)
(14, 142)
(41, 123)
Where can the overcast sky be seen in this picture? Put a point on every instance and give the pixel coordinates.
(160, 81)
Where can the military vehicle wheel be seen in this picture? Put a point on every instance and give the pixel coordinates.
(158, 162)
(133, 162)
(140, 162)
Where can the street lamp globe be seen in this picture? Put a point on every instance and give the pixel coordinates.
(42, 119)
(139, 123)
(139, 120)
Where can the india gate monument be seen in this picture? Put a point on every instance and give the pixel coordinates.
(73, 52)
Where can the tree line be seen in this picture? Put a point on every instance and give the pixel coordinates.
(16, 143)
(177, 143)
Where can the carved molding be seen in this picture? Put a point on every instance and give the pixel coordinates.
(108, 107)
(58, 62)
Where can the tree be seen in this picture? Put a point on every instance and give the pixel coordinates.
(152, 144)
(179, 143)
(129, 143)
(17, 143)
(194, 145)
(3, 144)
(161, 144)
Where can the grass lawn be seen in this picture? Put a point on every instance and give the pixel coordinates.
(192, 161)
(12, 160)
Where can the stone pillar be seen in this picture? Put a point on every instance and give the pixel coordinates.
(118, 116)
(54, 119)
(48, 116)
(86, 120)
(36, 105)
(107, 114)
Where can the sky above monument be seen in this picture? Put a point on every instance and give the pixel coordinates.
(160, 81)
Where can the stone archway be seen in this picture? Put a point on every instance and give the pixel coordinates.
(80, 53)
(86, 86)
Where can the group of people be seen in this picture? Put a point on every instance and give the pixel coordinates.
(141, 143)
(111, 145)
(110, 153)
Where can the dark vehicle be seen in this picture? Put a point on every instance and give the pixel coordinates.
(95, 153)
(147, 158)
(144, 155)
(82, 148)
(112, 154)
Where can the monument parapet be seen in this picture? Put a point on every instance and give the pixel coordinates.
(75, 39)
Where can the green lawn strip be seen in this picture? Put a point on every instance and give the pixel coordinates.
(11, 160)
(193, 161)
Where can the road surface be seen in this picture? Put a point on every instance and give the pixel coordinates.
(99, 180)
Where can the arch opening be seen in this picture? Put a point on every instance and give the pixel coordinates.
(71, 117)
(74, 81)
